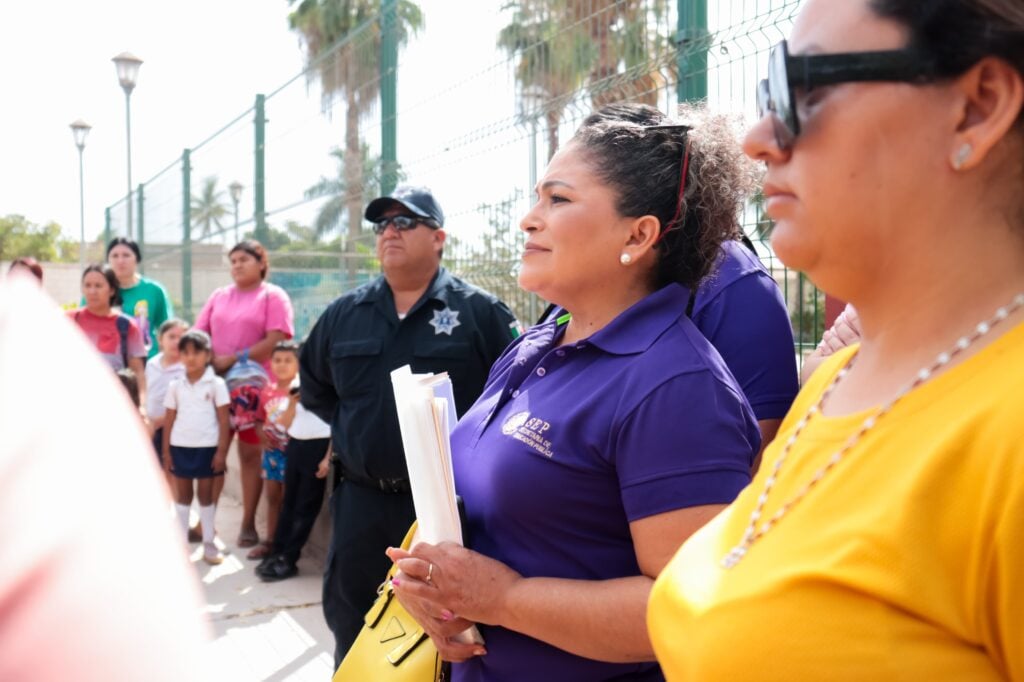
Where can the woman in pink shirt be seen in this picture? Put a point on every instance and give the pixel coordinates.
(247, 319)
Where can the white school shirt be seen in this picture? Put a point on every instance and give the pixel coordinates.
(195, 424)
(308, 426)
(158, 380)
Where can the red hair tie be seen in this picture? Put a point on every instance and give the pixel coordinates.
(672, 224)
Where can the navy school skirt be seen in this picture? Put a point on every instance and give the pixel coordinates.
(193, 462)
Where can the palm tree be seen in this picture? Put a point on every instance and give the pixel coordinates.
(342, 40)
(613, 48)
(301, 235)
(552, 59)
(209, 207)
(631, 50)
(332, 213)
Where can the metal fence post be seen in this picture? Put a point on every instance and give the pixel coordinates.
(106, 225)
(142, 230)
(186, 229)
(389, 95)
(259, 186)
(692, 55)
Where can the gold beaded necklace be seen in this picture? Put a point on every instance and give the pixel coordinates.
(752, 533)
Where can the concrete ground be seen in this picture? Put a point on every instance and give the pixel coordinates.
(264, 631)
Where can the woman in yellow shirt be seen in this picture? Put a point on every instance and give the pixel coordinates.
(883, 538)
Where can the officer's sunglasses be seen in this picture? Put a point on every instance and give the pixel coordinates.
(401, 223)
(788, 74)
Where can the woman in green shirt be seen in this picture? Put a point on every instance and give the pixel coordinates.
(143, 299)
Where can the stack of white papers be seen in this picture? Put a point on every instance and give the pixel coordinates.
(426, 416)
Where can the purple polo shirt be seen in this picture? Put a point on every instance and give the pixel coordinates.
(567, 445)
(740, 309)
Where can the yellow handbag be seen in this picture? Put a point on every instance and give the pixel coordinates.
(391, 646)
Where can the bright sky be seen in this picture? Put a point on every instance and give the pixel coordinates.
(203, 62)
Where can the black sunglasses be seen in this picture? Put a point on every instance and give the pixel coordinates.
(401, 223)
(786, 73)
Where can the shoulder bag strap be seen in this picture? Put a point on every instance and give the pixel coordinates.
(122, 330)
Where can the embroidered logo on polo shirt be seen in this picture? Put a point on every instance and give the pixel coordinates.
(529, 431)
(513, 423)
(445, 320)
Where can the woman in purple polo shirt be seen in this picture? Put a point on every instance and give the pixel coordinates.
(607, 436)
(739, 308)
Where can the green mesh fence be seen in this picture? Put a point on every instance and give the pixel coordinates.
(473, 114)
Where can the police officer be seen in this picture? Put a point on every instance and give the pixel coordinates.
(418, 314)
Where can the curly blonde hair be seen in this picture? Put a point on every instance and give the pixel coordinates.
(639, 152)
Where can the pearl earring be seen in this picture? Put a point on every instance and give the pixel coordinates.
(962, 155)
(625, 259)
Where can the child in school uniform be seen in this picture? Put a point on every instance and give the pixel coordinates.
(273, 433)
(196, 435)
(307, 461)
(161, 370)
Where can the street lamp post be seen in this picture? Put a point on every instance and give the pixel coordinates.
(531, 108)
(127, 71)
(80, 129)
(236, 195)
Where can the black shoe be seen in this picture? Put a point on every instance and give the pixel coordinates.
(267, 560)
(279, 569)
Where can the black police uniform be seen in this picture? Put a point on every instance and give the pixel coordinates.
(345, 370)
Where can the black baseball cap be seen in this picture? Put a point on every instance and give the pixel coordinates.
(419, 200)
